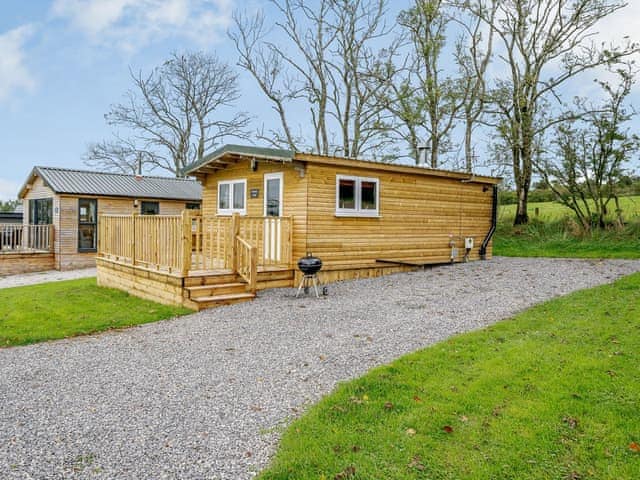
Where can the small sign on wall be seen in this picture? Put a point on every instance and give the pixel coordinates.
(254, 192)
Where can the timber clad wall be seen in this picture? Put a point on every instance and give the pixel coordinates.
(152, 286)
(294, 195)
(419, 216)
(14, 263)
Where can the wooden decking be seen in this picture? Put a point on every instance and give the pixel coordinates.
(194, 260)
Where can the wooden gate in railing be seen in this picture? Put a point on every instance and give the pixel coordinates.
(272, 236)
(211, 243)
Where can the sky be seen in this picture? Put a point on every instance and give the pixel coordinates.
(64, 62)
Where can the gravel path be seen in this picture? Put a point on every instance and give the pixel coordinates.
(44, 277)
(203, 396)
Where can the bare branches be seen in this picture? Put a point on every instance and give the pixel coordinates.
(173, 114)
(318, 80)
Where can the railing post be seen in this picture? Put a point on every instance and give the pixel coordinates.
(133, 238)
(186, 242)
(52, 237)
(235, 231)
(290, 242)
(253, 269)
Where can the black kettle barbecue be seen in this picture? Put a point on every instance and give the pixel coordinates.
(309, 266)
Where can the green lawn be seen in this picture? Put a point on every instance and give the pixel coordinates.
(550, 394)
(56, 310)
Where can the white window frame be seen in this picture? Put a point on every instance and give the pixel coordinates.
(271, 176)
(357, 211)
(231, 211)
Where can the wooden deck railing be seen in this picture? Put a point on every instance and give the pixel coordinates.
(247, 262)
(26, 238)
(273, 237)
(211, 243)
(192, 242)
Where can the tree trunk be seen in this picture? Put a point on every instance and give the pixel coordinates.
(522, 216)
(468, 150)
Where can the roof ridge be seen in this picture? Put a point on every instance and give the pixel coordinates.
(95, 172)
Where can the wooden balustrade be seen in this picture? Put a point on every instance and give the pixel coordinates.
(210, 243)
(193, 242)
(26, 238)
(158, 241)
(152, 241)
(271, 235)
(247, 262)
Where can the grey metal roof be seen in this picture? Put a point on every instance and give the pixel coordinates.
(245, 150)
(82, 182)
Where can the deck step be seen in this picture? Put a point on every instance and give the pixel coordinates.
(216, 289)
(217, 300)
(211, 279)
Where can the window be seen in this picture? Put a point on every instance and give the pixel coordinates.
(232, 197)
(87, 224)
(357, 196)
(41, 211)
(192, 206)
(150, 208)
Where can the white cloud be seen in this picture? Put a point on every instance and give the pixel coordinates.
(8, 189)
(14, 75)
(131, 24)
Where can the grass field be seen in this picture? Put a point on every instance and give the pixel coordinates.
(550, 211)
(555, 233)
(63, 309)
(550, 394)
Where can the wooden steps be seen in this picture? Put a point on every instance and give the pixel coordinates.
(214, 290)
(211, 289)
(201, 303)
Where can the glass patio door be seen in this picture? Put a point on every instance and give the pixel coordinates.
(273, 208)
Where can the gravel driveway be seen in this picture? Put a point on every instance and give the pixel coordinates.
(204, 396)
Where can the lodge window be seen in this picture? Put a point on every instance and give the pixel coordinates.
(87, 224)
(192, 206)
(41, 211)
(232, 197)
(357, 196)
(150, 208)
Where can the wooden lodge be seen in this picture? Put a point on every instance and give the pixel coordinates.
(263, 209)
(61, 208)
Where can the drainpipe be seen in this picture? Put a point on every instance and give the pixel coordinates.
(494, 221)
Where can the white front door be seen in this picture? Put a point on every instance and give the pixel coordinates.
(273, 192)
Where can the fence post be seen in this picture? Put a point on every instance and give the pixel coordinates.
(133, 238)
(235, 231)
(186, 242)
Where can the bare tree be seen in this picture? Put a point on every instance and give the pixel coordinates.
(473, 53)
(424, 100)
(588, 164)
(174, 115)
(321, 69)
(543, 44)
(120, 155)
